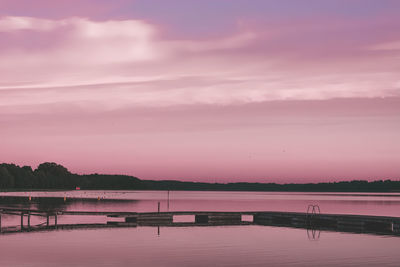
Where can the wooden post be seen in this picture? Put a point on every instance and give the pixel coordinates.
(168, 201)
(48, 221)
(1, 230)
(22, 221)
(29, 220)
(55, 220)
(158, 207)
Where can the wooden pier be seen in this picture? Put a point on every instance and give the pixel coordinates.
(310, 220)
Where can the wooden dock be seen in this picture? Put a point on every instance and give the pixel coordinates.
(310, 220)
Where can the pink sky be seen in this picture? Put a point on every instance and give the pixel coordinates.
(214, 91)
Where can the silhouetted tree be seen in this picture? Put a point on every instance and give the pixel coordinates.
(6, 179)
(50, 175)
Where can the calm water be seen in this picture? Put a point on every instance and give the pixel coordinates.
(197, 246)
(387, 204)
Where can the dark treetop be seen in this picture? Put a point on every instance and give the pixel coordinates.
(54, 176)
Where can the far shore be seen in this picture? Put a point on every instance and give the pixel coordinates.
(51, 176)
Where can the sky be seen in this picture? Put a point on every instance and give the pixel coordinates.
(213, 90)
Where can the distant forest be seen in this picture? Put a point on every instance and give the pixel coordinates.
(51, 176)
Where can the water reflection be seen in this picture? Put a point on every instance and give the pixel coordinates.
(95, 242)
(147, 201)
(58, 203)
(196, 246)
(313, 234)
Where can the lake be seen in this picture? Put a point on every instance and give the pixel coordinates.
(241, 245)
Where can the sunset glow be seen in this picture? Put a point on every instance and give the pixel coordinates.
(210, 90)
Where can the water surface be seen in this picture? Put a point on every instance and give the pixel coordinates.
(250, 245)
(385, 204)
(197, 246)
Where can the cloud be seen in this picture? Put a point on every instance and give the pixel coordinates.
(11, 24)
(115, 63)
(83, 39)
(78, 51)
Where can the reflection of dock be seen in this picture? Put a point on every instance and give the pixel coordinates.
(330, 222)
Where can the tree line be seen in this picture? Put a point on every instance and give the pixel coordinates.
(52, 176)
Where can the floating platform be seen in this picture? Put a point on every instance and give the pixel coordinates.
(330, 222)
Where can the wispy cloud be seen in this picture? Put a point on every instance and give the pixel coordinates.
(130, 62)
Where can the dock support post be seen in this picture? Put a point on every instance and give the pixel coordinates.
(22, 221)
(47, 220)
(168, 202)
(29, 221)
(1, 229)
(55, 220)
(158, 207)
